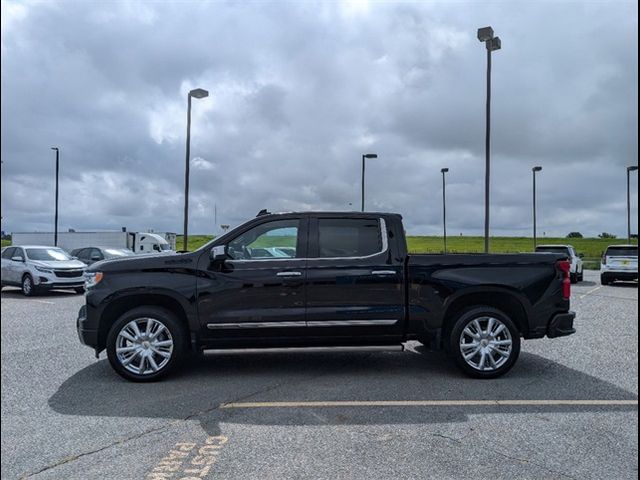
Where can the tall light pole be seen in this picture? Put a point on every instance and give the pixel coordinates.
(630, 169)
(444, 208)
(55, 231)
(533, 171)
(366, 155)
(196, 93)
(492, 43)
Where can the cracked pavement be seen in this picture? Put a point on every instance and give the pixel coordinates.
(66, 415)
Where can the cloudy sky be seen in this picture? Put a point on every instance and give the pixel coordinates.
(298, 91)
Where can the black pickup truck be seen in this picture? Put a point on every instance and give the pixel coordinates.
(321, 280)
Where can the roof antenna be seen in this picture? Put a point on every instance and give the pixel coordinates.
(262, 212)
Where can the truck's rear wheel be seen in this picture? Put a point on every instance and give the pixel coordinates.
(485, 342)
(145, 344)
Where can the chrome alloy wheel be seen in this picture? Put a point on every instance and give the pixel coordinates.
(485, 343)
(144, 346)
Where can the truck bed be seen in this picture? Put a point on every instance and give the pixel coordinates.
(527, 283)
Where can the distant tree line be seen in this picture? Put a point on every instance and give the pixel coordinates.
(602, 235)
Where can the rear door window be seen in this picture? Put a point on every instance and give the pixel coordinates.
(562, 250)
(348, 237)
(622, 252)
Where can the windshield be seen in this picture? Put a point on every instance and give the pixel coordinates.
(622, 252)
(563, 250)
(47, 254)
(117, 252)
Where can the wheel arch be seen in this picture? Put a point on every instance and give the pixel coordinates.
(119, 306)
(500, 299)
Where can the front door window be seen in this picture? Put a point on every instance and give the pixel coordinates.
(268, 241)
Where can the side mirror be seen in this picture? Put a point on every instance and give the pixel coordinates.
(581, 255)
(17, 259)
(218, 253)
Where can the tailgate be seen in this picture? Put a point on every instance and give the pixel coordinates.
(622, 262)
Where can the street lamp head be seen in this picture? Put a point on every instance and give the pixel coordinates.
(485, 33)
(444, 170)
(494, 44)
(370, 155)
(198, 93)
(536, 169)
(632, 168)
(54, 148)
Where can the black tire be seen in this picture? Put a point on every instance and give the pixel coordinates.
(468, 316)
(79, 290)
(581, 276)
(27, 286)
(573, 277)
(605, 280)
(168, 320)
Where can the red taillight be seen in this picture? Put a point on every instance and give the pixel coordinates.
(565, 267)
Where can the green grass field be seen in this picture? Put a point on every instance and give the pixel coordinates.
(592, 248)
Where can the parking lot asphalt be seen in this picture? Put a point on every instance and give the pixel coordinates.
(568, 409)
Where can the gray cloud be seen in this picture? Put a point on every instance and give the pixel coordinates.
(298, 91)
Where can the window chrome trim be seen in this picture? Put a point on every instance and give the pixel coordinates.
(385, 247)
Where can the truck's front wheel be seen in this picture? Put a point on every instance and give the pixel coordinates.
(145, 343)
(485, 342)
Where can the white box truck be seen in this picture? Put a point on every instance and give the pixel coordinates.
(138, 242)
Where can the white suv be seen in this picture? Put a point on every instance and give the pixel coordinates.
(575, 273)
(35, 268)
(619, 262)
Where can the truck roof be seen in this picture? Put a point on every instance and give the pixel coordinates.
(553, 245)
(332, 213)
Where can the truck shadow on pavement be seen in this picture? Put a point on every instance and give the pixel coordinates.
(197, 391)
(625, 284)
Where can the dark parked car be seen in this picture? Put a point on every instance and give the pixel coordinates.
(90, 255)
(346, 280)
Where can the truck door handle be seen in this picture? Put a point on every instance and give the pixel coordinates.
(289, 274)
(383, 272)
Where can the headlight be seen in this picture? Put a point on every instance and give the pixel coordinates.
(91, 279)
(44, 270)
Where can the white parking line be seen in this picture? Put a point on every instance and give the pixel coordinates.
(427, 403)
(591, 291)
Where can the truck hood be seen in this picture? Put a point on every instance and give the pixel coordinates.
(151, 261)
(59, 264)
